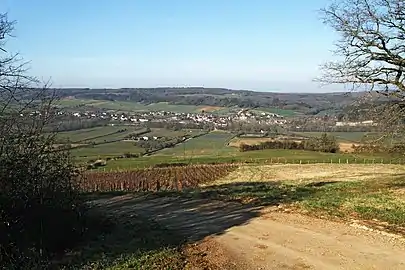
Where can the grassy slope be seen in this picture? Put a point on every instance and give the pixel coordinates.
(106, 150)
(341, 136)
(374, 194)
(97, 134)
(282, 112)
(103, 135)
(130, 106)
(161, 132)
(212, 144)
(261, 156)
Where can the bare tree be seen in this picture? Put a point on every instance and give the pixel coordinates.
(370, 53)
(371, 48)
(40, 209)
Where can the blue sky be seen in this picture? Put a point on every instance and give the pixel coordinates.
(243, 44)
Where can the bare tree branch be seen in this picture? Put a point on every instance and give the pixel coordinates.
(371, 46)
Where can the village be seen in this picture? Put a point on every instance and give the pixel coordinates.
(243, 115)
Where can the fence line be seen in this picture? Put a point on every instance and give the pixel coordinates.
(279, 160)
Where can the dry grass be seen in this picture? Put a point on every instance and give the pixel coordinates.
(311, 173)
(347, 147)
(210, 108)
(370, 194)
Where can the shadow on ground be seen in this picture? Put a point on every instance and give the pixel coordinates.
(148, 222)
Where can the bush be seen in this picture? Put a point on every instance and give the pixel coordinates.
(325, 143)
(41, 212)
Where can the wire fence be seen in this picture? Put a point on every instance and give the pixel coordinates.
(261, 161)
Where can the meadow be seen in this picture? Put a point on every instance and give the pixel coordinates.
(105, 150)
(99, 134)
(282, 112)
(126, 106)
(340, 136)
(214, 147)
(213, 144)
(110, 141)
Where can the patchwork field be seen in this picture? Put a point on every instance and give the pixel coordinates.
(282, 112)
(98, 134)
(212, 144)
(110, 141)
(214, 147)
(127, 106)
(106, 150)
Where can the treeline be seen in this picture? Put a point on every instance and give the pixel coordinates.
(325, 143)
(151, 146)
(179, 126)
(306, 103)
(74, 123)
(165, 142)
(376, 148)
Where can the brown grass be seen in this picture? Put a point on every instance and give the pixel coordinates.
(210, 108)
(347, 147)
(311, 173)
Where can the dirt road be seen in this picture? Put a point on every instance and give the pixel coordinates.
(293, 241)
(255, 238)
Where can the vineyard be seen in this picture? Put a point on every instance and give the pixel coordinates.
(154, 179)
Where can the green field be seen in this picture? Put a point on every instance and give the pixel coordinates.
(260, 156)
(209, 148)
(281, 112)
(105, 150)
(130, 106)
(212, 144)
(110, 143)
(340, 136)
(98, 134)
(161, 132)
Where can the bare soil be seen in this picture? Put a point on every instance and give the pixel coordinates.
(293, 241)
(210, 108)
(230, 235)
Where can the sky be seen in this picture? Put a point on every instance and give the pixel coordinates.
(265, 45)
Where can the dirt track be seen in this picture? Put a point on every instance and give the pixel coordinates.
(293, 241)
(255, 238)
